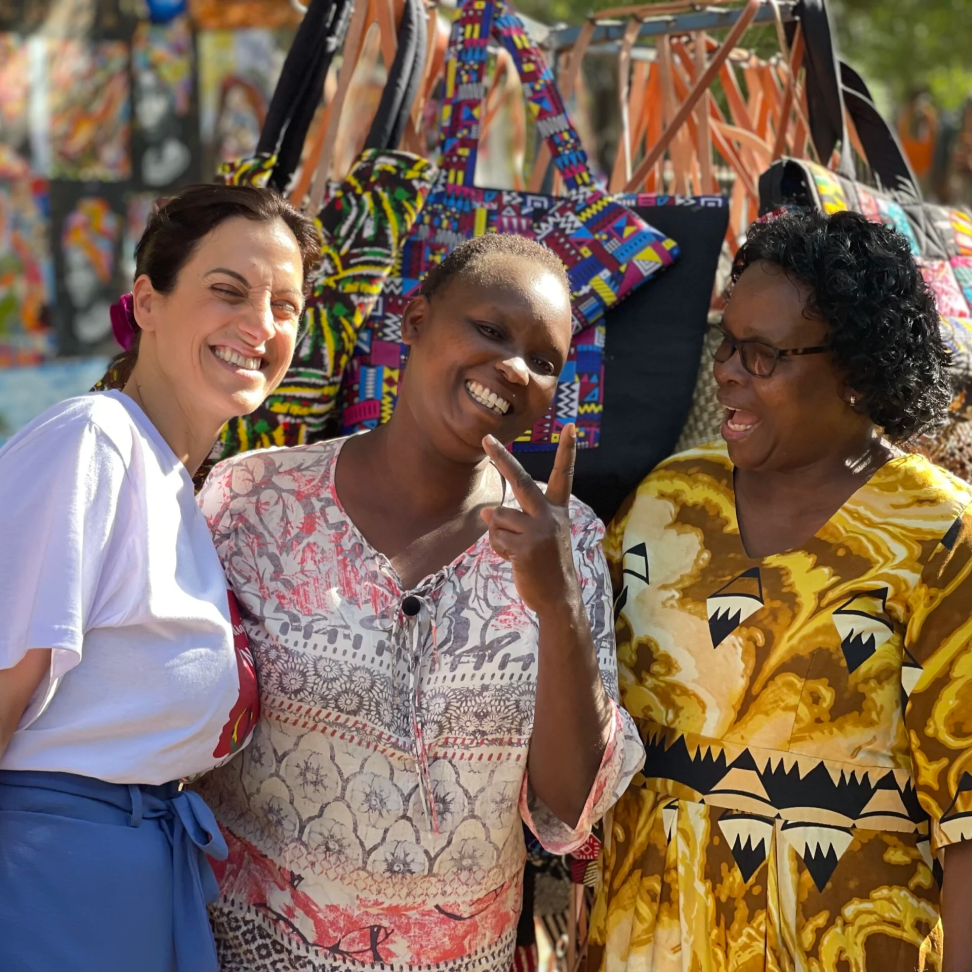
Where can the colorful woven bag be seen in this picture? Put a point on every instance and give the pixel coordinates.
(363, 224)
(608, 250)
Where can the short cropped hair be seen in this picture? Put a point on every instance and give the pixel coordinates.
(470, 261)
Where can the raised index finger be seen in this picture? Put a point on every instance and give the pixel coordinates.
(562, 475)
(528, 494)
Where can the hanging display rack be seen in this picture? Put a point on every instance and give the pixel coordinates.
(672, 18)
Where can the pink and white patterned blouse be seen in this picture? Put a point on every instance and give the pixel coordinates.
(375, 819)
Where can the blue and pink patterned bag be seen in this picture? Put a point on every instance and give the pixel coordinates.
(608, 250)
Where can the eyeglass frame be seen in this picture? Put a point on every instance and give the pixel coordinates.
(778, 353)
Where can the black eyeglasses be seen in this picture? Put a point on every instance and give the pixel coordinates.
(758, 358)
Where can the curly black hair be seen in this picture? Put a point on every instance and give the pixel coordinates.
(468, 259)
(884, 325)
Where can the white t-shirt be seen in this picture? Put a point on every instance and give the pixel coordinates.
(106, 559)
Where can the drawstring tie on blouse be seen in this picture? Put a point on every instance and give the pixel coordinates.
(414, 612)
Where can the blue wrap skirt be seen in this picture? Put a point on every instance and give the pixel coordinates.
(104, 877)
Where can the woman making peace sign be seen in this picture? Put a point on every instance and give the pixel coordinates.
(434, 645)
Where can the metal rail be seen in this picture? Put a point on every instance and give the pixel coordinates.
(611, 32)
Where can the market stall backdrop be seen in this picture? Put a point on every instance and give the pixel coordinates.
(106, 105)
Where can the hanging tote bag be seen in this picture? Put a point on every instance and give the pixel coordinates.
(363, 224)
(940, 236)
(608, 250)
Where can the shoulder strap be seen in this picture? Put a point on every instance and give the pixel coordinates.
(881, 146)
(479, 20)
(836, 92)
(404, 78)
(825, 102)
(301, 86)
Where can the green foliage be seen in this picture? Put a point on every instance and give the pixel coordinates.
(897, 44)
(904, 44)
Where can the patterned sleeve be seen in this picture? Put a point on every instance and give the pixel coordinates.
(624, 753)
(937, 680)
(215, 501)
(224, 502)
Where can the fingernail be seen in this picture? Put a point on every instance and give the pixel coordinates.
(570, 429)
(492, 440)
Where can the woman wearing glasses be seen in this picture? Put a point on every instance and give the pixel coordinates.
(794, 638)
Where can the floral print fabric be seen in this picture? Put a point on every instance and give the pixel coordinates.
(805, 716)
(376, 818)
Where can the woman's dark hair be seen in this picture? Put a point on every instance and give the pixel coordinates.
(864, 283)
(177, 226)
(468, 260)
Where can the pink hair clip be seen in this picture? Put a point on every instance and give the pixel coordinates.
(123, 323)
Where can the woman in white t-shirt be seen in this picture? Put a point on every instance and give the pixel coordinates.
(123, 663)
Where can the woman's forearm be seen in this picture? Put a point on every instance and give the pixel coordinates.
(957, 908)
(17, 685)
(573, 714)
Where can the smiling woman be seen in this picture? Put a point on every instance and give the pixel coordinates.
(123, 665)
(793, 639)
(433, 635)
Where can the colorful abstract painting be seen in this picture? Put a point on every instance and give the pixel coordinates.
(89, 108)
(88, 229)
(138, 207)
(14, 91)
(26, 392)
(26, 274)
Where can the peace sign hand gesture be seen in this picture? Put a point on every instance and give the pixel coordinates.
(536, 541)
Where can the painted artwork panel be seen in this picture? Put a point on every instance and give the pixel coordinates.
(165, 141)
(89, 109)
(138, 207)
(80, 18)
(26, 270)
(89, 222)
(238, 71)
(26, 392)
(14, 92)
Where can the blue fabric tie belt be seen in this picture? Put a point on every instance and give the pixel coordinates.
(184, 818)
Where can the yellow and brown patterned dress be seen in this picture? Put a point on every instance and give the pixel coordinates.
(808, 722)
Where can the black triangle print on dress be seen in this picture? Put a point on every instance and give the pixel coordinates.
(748, 837)
(910, 673)
(948, 541)
(731, 605)
(635, 562)
(956, 824)
(820, 847)
(863, 625)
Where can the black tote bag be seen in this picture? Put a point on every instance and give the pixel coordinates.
(651, 355)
